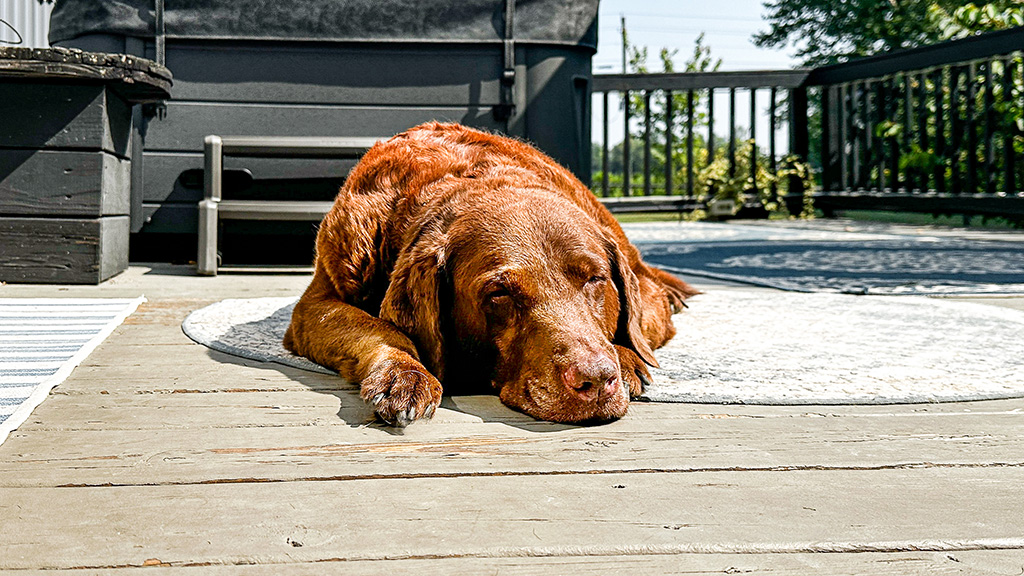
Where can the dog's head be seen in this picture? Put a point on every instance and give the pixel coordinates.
(524, 290)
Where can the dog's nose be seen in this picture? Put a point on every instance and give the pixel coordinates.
(592, 378)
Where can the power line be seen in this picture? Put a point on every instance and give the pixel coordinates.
(708, 31)
(702, 18)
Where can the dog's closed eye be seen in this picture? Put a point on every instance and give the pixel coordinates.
(498, 294)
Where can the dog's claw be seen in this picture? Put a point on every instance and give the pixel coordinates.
(429, 413)
(645, 380)
(377, 399)
(405, 417)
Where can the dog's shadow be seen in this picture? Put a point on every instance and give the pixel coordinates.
(258, 344)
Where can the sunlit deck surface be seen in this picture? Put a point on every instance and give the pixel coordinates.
(159, 455)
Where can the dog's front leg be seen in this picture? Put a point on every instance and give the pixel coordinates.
(367, 350)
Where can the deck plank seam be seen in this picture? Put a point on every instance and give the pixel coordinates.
(527, 473)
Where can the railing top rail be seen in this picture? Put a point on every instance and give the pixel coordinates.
(959, 51)
(952, 52)
(702, 80)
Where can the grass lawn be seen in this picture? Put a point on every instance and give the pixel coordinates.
(913, 218)
(928, 219)
(648, 217)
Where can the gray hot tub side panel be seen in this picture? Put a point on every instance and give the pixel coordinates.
(373, 79)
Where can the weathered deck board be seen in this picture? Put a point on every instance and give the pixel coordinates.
(717, 512)
(219, 465)
(312, 444)
(1003, 562)
(170, 285)
(328, 402)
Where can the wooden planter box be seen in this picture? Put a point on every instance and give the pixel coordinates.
(65, 161)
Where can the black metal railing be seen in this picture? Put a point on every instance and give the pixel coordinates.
(770, 93)
(933, 129)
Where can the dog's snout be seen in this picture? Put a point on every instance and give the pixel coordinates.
(592, 377)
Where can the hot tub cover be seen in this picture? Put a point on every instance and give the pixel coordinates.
(559, 22)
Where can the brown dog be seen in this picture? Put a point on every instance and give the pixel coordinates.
(456, 256)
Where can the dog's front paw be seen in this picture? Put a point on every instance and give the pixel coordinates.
(633, 371)
(401, 391)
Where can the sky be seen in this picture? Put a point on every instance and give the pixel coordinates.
(675, 24)
(728, 26)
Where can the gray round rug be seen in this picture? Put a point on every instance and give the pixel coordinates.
(762, 347)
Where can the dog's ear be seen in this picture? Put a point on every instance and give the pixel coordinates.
(629, 332)
(412, 301)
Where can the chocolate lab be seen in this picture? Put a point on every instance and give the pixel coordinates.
(460, 257)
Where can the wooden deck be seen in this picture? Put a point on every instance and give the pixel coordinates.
(160, 456)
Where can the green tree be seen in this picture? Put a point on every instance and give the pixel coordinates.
(826, 31)
(699, 61)
(636, 159)
(974, 18)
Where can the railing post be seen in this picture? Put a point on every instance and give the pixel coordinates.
(753, 140)
(972, 128)
(732, 132)
(647, 143)
(957, 127)
(922, 126)
(799, 138)
(711, 126)
(689, 143)
(941, 141)
(907, 137)
(862, 159)
(772, 160)
(605, 177)
(877, 142)
(627, 173)
(1008, 128)
(892, 144)
(990, 121)
(831, 117)
(668, 142)
(846, 149)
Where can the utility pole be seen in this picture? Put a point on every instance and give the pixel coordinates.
(626, 175)
(625, 42)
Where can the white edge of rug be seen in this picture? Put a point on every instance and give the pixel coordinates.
(200, 335)
(952, 291)
(42, 390)
(244, 354)
(653, 394)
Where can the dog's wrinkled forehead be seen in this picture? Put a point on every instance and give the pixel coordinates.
(532, 239)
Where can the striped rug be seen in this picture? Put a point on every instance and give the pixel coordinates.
(42, 341)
